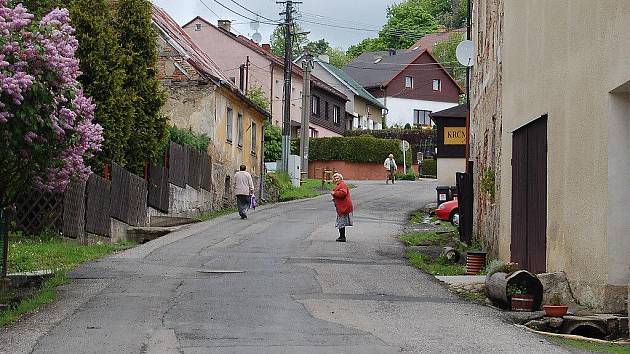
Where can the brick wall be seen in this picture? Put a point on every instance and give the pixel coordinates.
(349, 170)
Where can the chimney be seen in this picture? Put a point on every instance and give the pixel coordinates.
(266, 47)
(226, 25)
(325, 58)
(442, 29)
(392, 51)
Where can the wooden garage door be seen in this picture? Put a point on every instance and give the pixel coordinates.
(529, 196)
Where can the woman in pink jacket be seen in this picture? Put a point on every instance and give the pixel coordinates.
(343, 204)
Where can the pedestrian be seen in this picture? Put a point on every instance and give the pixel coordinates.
(390, 167)
(343, 205)
(244, 189)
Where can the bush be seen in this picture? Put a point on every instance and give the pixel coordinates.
(429, 168)
(356, 149)
(409, 176)
(187, 137)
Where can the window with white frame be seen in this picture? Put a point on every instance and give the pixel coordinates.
(315, 105)
(229, 124)
(437, 85)
(421, 117)
(408, 82)
(239, 126)
(254, 138)
(336, 115)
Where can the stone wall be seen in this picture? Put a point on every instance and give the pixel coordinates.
(486, 124)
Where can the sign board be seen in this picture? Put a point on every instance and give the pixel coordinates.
(404, 145)
(454, 135)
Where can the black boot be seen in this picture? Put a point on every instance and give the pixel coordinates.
(342, 235)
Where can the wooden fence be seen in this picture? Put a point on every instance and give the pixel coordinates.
(89, 206)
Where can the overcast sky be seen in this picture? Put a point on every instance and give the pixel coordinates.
(364, 14)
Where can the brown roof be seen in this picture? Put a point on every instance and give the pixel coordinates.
(427, 42)
(195, 56)
(297, 70)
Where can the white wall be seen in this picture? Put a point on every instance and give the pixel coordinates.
(446, 169)
(401, 110)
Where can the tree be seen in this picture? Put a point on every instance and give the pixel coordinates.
(338, 57)
(406, 23)
(103, 77)
(317, 48)
(257, 95)
(273, 142)
(138, 41)
(277, 41)
(450, 13)
(45, 119)
(444, 52)
(366, 45)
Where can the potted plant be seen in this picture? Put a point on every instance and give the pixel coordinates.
(555, 307)
(520, 300)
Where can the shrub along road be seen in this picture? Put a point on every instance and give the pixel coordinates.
(299, 290)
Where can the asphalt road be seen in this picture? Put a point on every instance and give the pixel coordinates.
(297, 291)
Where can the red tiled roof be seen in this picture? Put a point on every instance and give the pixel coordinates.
(427, 42)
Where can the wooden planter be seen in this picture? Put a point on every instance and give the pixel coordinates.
(522, 302)
(475, 261)
(555, 310)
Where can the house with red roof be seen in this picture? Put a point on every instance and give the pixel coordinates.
(265, 70)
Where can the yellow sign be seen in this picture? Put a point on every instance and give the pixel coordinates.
(454, 135)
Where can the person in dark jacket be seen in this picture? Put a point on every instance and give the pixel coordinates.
(343, 204)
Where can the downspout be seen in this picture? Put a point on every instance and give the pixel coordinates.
(262, 164)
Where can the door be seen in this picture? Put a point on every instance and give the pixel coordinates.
(529, 196)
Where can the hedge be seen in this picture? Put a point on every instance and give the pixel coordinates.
(429, 167)
(420, 140)
(356, 149)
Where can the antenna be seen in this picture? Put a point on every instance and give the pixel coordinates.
(465, 53)
(257, 37)
(255, 25)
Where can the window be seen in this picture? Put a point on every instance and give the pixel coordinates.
(315, 105)
(437, 85)
(326, 110)
(336, 114)
(254, 137)
(198, 27)
(229, 125)
(239, 126)
(314, 133)
(421, 117)
(408, 82)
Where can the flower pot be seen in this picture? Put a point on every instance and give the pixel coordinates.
(475, 261)
(522, 302)
(555, 310)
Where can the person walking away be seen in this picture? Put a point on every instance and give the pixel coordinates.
(390, 167)
(343, 205)
(243, 188)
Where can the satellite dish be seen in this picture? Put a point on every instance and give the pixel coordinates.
(257, 37)
(465, 53)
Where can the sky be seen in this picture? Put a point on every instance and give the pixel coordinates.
(368, 15)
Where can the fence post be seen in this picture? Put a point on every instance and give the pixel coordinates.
(106, 172)
(4, 237)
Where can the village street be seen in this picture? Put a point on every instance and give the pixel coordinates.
(300, 291)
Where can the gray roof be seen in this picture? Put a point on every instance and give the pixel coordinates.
(374, 69)
(351, 83)
(460, 111)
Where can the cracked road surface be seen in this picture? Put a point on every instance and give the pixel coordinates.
(299, 292)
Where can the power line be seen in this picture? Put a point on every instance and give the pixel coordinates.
(218, 17)
(243, 16)
(252, 12)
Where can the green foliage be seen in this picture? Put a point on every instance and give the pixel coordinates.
(429, 167)
(277, 41)
(450, 13)
(592, 347)
(516, 289)
(487, 183)
(39, 8)
(138, 40)
(187, 137)
(366, 45)
(355, 149)
(409, 176)
(426, 238)
(257, 95)
(103, 77)
(317, 48)
(46, 295)
(273, 142)
(215, 214)
(406, 23)
(444, 52)
(439, 266)
(338, 57)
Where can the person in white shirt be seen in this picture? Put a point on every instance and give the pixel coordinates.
(243, 188)
(390, 167)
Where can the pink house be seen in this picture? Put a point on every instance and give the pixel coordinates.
(265, 70)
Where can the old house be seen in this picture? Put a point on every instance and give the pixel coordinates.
(551, 115)
(363, 111)
(263, 69)
(410, 85)
(202, 98)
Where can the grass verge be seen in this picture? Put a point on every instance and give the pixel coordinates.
(425, 238)
(48, 252)
(438, 266)
(215, 214)
(591, 346)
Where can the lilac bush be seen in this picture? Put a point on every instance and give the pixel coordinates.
(45, 119)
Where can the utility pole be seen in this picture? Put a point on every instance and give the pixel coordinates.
(247, 75)
(306, 113)
(288, 68)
